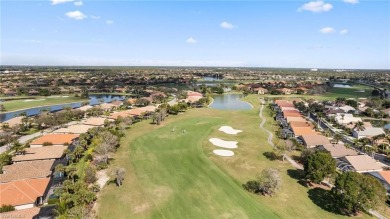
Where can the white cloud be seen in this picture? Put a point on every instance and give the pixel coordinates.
(79, 3)
(344, 31)
(77, 15)
(327, 30)
(109, 22)
(94, 17)
(227, 25)
(316, 7)
(56, 2)
(351, 1)
(191, 40)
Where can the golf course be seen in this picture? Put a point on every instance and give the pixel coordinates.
(172, 172)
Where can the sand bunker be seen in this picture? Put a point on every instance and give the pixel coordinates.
(224, 144)
(229, 130)
(29, 100)
(224, 153)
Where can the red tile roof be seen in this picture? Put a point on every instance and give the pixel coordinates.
(23, 191)
(56, 139)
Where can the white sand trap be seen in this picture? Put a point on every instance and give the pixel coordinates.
(224, 153)
(64, 96)
(224, 144)
(33, 100)
(229, 130)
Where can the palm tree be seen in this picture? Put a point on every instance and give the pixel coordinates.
(60, 168)
(359, 126)
(337, 137)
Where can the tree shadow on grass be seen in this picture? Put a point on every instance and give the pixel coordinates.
(298, 175)
(323, 199)
(270, 155)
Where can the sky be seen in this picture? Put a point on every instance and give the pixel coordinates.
(340, 34)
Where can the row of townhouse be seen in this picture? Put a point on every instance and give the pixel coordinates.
(295, 125)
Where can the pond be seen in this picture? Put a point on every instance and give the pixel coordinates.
(93, 100)
(229, 102)
(208, 78)
(387, 126)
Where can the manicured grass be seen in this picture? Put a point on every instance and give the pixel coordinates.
(176, 175)
(42, 101)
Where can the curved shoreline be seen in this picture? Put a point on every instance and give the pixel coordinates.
(212, 101)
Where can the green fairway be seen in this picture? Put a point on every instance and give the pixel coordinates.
(13, 105)
(176, 175)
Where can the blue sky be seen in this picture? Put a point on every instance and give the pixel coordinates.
(308, 34)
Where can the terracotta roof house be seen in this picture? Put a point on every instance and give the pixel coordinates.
(288, 108)
(28, 213)
(41, 153)
(27, 170)
(299, 131)
(293, 111)
(296, 119)
(95, 121)
(24, 194)
(301, 124)
(9, 93)
(368, 132)
(54, 139)
(75, 129)
(339, 150)
(192, 99)
(294, 114)
(364, 163)
(312, 140)
(285, 104)
(193, 93)
(386, 111)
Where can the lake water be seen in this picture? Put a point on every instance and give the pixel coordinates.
(93, 100)
(387, 126)
(230, 102)
(207, 78)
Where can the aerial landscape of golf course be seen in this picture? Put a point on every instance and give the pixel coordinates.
(172, 171)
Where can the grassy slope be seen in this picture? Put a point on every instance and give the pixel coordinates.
(171, 175)
(43, 101)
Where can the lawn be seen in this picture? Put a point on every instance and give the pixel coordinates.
(176, 175)
(13, 105)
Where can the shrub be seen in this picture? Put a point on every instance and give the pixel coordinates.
(46, 143)
(53, 201)
(6, 208)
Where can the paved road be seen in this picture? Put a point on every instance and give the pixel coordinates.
(271, 135)
(347, 139)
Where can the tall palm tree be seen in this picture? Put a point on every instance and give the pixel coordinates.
(359, 126)
(337, 137)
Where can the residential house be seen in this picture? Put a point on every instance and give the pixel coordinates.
(23, 194)
(74, 129)
(96, 121)
(260, 90)
(299, 131)
(41, 153)
(367, 132)
(26, 213)
(338, 150)
(54, 140)
(346, 118)
(27, 170)
(383, 177)
(33, 92)
(312, 140)
(364, 163)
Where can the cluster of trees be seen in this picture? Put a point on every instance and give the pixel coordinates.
(47, 119)
(352, 191)
(78, 191)
(268, 182)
